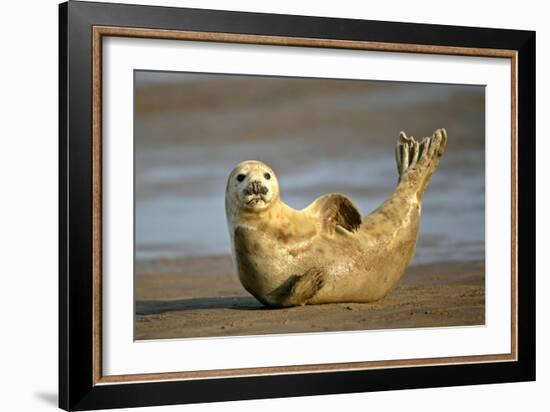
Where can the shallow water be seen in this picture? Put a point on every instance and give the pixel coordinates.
(180, 182)
(189, 218)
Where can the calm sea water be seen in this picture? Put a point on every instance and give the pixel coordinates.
(319, 140)
(189, 219)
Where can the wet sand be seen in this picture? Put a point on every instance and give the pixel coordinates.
(201, 296)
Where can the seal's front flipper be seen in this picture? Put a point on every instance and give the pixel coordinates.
(297, 289)
(417, 161)
(336, 210)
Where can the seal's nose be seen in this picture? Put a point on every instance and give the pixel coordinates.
(256, 188)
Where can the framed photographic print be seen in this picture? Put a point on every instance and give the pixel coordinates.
(256, 205)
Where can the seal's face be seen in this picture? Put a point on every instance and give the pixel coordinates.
(252, 186)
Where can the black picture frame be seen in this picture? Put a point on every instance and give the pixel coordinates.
(77, 389)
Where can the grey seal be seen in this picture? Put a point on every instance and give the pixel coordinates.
(327, 252)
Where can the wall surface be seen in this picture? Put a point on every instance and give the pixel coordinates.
(28, 204)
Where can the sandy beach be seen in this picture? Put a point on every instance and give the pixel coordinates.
(197, 297)
(320, 136)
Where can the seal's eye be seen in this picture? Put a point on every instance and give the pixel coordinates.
(240, 177)
(267, 175)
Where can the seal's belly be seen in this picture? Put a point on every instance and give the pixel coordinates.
(264, 262)
(356, 267)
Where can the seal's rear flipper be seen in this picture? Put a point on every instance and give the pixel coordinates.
(417, 161)
(297, 290)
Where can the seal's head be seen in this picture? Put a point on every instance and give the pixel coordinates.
(252, 186)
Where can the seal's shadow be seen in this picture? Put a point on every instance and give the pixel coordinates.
(156, 307)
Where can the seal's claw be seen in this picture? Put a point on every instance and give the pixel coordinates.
(415, 149)
(443, 141)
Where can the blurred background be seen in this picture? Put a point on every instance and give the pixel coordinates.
(319, 135)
